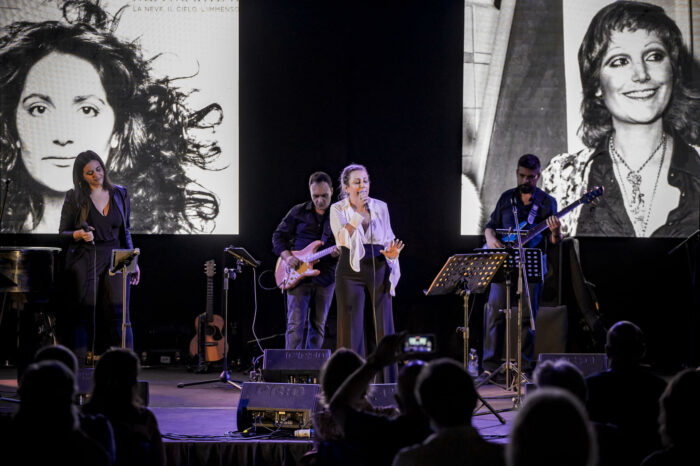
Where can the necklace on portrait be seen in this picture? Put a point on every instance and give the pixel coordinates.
(638, 209)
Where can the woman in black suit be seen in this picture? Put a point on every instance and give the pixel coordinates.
(95, 216)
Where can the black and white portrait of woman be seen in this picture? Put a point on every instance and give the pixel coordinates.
(606, 93)
(122, 80)
(641, 122)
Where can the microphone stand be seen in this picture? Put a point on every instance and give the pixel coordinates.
(242, 258)
(523, 295)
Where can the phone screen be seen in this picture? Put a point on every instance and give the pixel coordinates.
(419, 344)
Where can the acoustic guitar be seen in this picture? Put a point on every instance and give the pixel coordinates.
(208, 344)
(287, 277)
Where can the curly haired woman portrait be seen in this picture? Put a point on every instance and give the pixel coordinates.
(72, 85)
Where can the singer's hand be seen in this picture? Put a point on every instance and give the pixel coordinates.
(394, 249)
(86, 236)
(135, 277)
(364, 198)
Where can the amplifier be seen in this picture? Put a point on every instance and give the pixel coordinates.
(588, 363)
(293, 366)
(276, 405)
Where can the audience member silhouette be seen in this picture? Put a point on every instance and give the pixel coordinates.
(552, 429)
(446, 393)
(45, 430)
(96, 426)
(334, 372)
(613, 446)
(680, 429)
(376, 438)
(627, 394)
(114, 395)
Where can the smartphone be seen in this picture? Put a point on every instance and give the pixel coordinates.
(418, 344)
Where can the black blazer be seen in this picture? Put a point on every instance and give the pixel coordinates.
(73, 216)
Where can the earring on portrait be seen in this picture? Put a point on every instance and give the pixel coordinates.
(599, 93)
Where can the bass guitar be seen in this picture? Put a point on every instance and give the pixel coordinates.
(208, 344)
(536, 231)
(287, 277)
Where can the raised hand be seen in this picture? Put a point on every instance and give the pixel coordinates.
(394, 249)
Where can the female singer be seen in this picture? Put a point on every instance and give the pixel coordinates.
(640, 117)
(368, 262)
(95, 215)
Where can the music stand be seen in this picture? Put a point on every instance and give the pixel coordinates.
(466, 274)
(242, 257)
(124, 261)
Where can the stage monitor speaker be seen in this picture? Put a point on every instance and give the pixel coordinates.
(276, 405)
(588, 363)
(293, 366)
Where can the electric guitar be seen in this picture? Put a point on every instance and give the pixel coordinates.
(287, 278)
(535, 232)
(208, 344)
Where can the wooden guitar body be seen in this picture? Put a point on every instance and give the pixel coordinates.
(213, 338)
(208, 344)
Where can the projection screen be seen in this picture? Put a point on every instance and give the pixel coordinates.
(151, 86)
(523, 94)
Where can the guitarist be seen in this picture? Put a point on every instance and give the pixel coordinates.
(303, 224)
(533, 206)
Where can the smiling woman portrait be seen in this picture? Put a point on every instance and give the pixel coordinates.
(641, 119)
(71, 86)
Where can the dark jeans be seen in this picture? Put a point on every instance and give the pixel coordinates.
(99, 297)
(495, 325)
(298, 300)
(350, 289)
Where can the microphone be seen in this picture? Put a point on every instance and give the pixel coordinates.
(366, 203)
(86, 228)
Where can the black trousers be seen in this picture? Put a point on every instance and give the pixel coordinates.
(99, 300)
(350, 290)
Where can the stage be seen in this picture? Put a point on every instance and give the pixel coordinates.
(198, 423)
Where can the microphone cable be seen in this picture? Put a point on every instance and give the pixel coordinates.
(374, 279)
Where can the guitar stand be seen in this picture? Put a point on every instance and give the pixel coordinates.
(242, 258)
(225, 376)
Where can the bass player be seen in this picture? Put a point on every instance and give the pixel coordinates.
(533, 206)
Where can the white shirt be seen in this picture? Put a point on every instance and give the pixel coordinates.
(378, 232)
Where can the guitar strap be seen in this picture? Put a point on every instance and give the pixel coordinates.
(536, 203)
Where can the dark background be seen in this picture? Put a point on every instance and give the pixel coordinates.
(324, 84)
